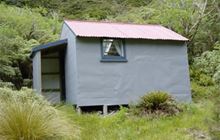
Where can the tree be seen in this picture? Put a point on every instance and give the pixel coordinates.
(20, 30)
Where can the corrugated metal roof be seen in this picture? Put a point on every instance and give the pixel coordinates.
(122, 30)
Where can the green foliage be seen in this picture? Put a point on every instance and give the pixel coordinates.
(200, 77)
(87, 9)
(209, 63)
(202, 85)
(81, 9)
(6, 85)
(176, 14)
(156, 103)
(215, 128)
(200, 92)
(205, 80)
(153, 100)
(26, 116)
(135, 15)
(20, 30)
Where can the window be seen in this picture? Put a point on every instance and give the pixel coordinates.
(113, 50)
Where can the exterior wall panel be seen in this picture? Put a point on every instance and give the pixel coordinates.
(70, 65)
(37, 72)
(152, 65)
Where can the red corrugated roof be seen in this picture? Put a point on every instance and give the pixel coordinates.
(122, 30)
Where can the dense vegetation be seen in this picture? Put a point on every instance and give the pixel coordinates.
(20, 30)
(26, 23)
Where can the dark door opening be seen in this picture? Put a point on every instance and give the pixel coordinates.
(62, 75)
(53, 75)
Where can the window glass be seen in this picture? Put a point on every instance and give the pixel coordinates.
(113, 47)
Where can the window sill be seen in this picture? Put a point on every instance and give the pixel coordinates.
(114, 60)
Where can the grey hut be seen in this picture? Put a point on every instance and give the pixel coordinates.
(100, 63)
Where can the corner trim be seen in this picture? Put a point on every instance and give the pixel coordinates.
(69, 28)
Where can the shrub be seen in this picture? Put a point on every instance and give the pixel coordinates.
(200, 77)
(156, 103)
(198, 91)
(209, 63)
(205, 80)
(202, 92)
(6, 84)
(216, 76)
(26, 116)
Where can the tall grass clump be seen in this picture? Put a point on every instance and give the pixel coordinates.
(157, 103)
(27, 116)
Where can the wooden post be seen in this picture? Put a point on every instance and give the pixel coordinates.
(105, 109)
(37, 77)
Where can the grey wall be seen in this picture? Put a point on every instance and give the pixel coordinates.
(37, 72)
(70, 65)
(152, 65)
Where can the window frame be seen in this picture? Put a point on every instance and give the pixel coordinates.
(113, 58)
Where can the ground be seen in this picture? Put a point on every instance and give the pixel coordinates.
(193, 123)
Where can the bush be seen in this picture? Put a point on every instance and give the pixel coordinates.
(156, 103)
(198, 91)
(200, 77)
(202, 92)
(209, 63)
(26, 116)
(216, 76)
(6, 84)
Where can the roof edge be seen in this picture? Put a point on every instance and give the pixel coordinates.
(46, 46)
(111, 22)
(69, 28)
(180, 40)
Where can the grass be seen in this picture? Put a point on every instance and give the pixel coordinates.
(190, 124)
(28, 117)
(25, 116)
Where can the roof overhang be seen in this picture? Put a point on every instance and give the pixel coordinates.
(50, 47)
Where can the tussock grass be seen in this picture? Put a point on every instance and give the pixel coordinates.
(25, 116)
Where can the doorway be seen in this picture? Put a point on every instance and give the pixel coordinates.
(53, 75)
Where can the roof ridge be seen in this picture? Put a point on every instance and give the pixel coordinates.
(112, 22)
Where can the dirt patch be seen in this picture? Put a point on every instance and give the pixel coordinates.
(198, 134)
